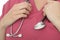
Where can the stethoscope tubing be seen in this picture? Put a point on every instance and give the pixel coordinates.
(19, 28)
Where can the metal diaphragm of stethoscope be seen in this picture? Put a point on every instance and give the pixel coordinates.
(38, 26)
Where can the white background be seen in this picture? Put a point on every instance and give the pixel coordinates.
(2, 2)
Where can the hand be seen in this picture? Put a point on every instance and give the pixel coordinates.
(20, 10)
(52, 11)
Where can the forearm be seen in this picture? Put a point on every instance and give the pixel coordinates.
(57, 24)
(2, 32)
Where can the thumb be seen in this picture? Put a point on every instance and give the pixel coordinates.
(44, 14)
(51, 0)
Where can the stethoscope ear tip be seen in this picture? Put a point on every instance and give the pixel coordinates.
(8, 35)
(39, 25)
(20, 35)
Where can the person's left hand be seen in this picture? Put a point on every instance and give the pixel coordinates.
(52, 11)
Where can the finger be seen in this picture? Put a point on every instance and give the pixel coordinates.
(27, 13)
(28, 8)
(44, 14)
(24, 7)
(21, 16)
(50, 0)
(24, 11)
(23, 4)
(45, 9)
(29, 4)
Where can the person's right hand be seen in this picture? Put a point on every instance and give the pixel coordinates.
(20, 10)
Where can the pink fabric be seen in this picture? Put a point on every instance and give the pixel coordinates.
(48, 33)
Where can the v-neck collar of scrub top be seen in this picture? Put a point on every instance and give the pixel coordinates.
(34, 6)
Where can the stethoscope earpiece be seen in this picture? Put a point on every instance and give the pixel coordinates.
(10, 35)
(20, 35)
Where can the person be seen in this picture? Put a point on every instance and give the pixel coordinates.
(33, 12)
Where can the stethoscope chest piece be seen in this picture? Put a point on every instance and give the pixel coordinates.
(39, 25)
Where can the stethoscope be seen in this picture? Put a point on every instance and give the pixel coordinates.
(38, 26)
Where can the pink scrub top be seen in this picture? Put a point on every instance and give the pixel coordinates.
(28, 31)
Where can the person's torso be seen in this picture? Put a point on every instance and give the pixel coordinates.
(28, 31)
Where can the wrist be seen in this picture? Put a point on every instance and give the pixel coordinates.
(2, 25)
